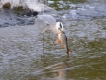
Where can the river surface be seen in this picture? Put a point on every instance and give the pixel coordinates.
(21, 48)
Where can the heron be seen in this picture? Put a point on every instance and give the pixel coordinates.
(47, 22)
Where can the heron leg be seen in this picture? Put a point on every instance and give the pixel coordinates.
(53, 40)
(43, 43)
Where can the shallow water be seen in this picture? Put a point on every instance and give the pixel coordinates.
(22, 58)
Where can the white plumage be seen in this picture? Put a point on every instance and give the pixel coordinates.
(48, 22)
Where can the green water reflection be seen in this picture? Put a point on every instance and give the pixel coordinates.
(87, 60)
(84, 65)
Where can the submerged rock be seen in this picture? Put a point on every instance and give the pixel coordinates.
(8, 18)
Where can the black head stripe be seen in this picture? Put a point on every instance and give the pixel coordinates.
(60, 25)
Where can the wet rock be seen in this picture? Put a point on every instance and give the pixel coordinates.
(21, 12)
(28, 12)
(35, 5)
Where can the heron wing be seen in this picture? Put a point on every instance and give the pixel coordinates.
(45, 22)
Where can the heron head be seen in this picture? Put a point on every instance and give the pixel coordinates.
(59, 26)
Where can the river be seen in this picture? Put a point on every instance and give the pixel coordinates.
(84, 22)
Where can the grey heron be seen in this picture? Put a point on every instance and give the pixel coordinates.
(47, 22)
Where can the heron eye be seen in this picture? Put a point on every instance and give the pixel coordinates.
(60, 25)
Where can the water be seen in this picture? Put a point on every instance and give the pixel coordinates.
(21, 55)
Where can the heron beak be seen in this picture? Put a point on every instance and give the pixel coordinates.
(59, 29)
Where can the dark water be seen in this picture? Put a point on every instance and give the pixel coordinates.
(21, 55)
